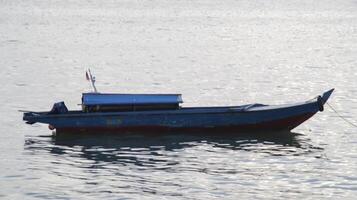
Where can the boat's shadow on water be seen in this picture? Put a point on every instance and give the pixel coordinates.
(149, 149)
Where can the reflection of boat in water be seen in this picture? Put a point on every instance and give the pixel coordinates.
(142, 149)
(162, 113)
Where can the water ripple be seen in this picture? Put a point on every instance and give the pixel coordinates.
(163, 165)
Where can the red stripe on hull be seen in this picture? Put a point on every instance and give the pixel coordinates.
(285, 124)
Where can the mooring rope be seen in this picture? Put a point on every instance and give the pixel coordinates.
(338, 114)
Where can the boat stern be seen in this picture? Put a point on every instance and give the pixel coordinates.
(30, 117)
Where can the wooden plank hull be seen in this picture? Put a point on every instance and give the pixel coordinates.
(286, 124)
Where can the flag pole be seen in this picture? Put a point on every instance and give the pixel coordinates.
(91, 78)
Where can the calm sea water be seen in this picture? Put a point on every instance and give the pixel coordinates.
(214, 53)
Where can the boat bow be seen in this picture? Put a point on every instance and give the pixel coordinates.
(326, 95)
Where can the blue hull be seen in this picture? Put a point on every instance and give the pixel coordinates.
(254, 117)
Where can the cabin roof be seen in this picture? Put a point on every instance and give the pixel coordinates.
(90, 99)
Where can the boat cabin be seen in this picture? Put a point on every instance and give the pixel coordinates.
(106, 102)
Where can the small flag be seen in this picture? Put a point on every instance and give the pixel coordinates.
(87, 77)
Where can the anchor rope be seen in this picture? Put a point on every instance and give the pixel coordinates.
(339, 115)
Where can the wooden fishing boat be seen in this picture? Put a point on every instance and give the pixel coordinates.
(155, 113)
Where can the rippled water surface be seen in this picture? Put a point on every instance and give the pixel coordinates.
(214, 53)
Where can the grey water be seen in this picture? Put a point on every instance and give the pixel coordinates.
(227, 52)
